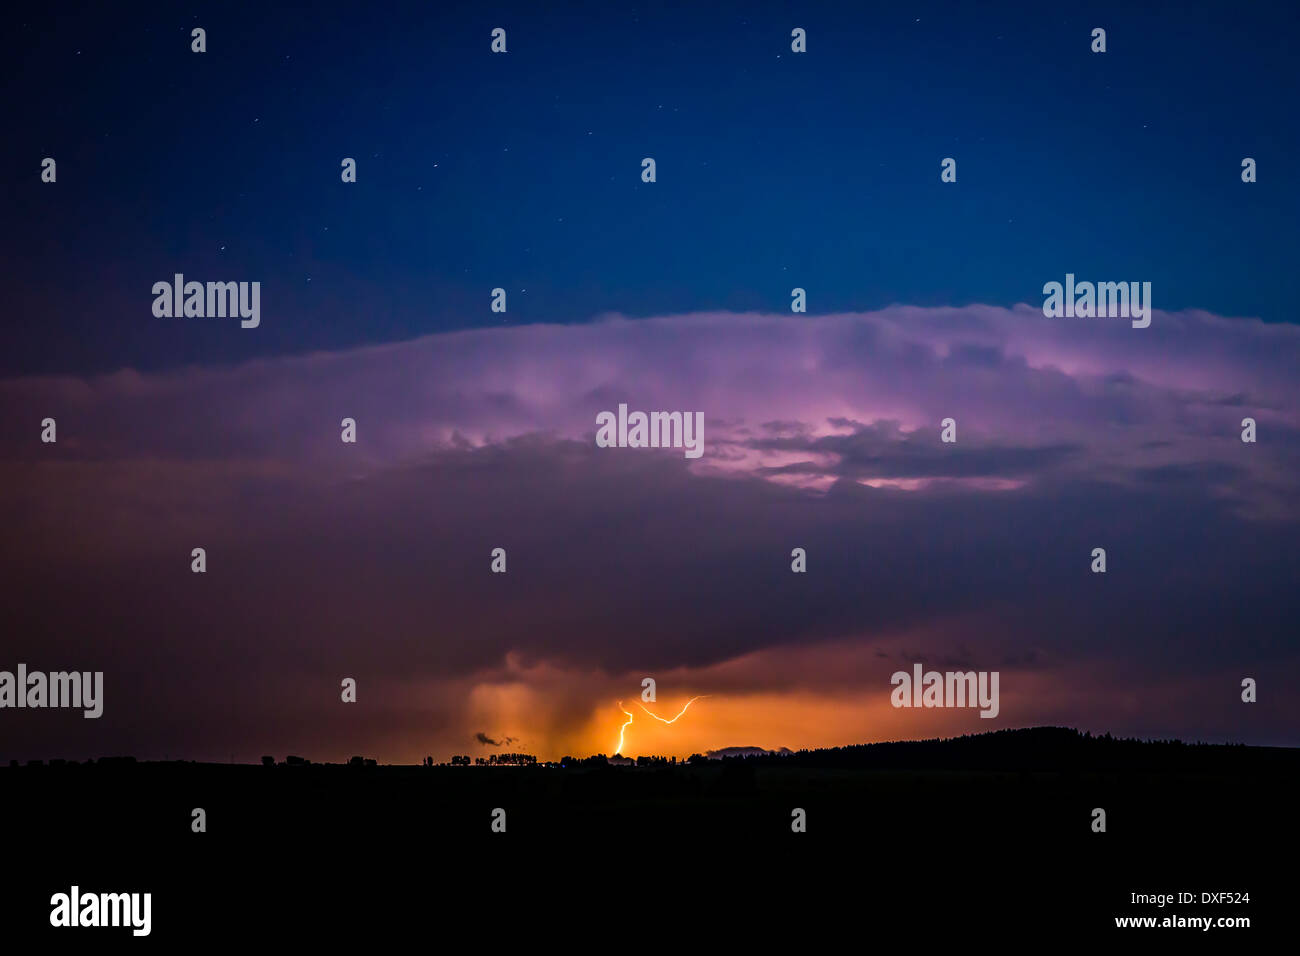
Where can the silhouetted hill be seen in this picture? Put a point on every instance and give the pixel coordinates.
(1004, 817)
(1030, 748)
(722, 752)
(1040, 748)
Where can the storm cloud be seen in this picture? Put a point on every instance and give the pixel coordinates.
(329, 560)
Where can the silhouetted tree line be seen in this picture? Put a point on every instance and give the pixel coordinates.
(1035, 748)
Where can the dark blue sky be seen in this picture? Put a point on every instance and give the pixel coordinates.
(522, 171)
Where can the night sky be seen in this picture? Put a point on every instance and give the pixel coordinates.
(775, 170)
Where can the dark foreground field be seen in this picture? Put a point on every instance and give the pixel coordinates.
(983, 838)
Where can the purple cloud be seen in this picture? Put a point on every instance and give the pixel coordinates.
(370, 560)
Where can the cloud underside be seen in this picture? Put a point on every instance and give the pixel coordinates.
(371, 560)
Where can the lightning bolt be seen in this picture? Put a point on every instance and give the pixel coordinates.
(619, 749)
(679, 713)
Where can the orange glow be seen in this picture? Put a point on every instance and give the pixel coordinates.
(679, 713)
(828, 695)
